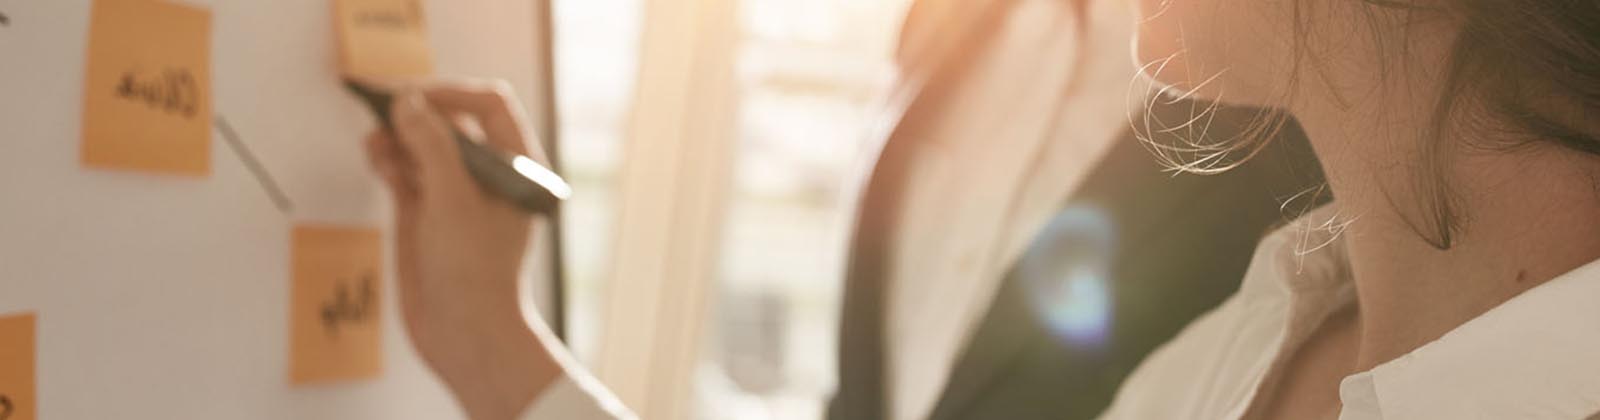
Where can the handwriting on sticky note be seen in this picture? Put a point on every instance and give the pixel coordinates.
(173, 91)
(17, 347)
(343, 308)
(147, 87)
(382, 38)
(398, 21)
(334, 301)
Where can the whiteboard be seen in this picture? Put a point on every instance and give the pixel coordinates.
(162, 297)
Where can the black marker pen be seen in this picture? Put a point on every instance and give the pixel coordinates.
(512, 177)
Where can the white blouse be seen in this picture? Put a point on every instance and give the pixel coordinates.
(1536, 356)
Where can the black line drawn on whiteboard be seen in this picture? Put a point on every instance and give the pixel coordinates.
(256, 169)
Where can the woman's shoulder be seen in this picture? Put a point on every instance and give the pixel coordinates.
(1209, 368)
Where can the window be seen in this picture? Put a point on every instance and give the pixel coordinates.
(596, 49)
(812, 75)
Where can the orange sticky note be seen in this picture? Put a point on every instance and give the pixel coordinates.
(147, 89)
(17, 396)
(382, 38)
(334, 304)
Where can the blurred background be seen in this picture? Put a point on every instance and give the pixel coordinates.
(809, 78)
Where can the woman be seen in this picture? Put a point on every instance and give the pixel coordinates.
(1451, 277)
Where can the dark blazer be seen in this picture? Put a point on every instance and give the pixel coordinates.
(1181, 246)
(932, 58)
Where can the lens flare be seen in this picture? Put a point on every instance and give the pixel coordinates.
(1067, 276)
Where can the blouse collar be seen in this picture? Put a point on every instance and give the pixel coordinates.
(1534, 356)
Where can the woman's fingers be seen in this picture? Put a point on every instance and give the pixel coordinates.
(427, 140)
(389, 160)
(392, 166)
(495, 108)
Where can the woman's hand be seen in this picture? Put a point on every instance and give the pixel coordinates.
(459, 251)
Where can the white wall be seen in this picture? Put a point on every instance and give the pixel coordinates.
(165, 297)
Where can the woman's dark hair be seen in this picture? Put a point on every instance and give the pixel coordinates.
(1528, 70)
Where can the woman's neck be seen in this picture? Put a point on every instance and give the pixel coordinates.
(1526, 216)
